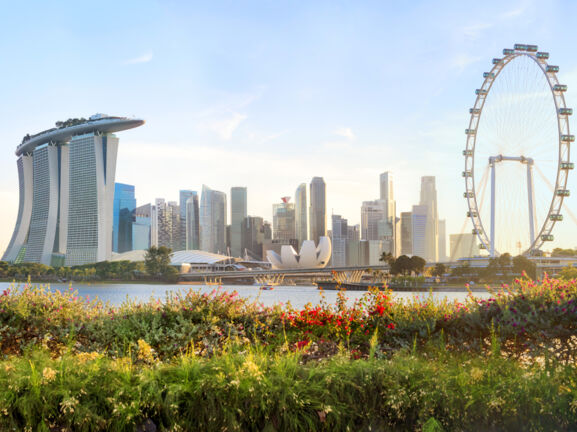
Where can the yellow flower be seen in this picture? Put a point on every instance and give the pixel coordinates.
(8, 367)
(86, 357)
(145, 352)
(49, 374)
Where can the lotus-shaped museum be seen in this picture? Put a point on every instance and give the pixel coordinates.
(310, 255)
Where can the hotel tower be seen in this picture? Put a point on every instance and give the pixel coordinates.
(66, 179)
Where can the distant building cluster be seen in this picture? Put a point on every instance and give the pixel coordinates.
(72, 212)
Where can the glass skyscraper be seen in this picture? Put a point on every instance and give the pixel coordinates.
(318, 209)
(212, 221)
(66, 178)
(123, 217)
(238, 213)
(301, 226)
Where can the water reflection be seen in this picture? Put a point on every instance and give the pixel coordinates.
(298, 296)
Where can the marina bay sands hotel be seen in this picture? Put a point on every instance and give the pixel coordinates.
(66, 179)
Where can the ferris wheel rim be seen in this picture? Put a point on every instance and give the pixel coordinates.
(563, 146)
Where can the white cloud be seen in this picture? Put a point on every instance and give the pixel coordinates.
(145, 58)
(224, 125)
(345, 133)
(513, 13)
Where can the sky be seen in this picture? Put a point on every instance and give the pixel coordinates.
(268, 94)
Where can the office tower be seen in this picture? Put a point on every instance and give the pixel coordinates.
(353, 244)
(419, 222)
(238, 213)
(253, 236)
(406, 233)
(153, 226)
(168, 217)
(66, 180)
(429, 199)
(442, 240)
(283, 220)
(318, 205)
(390, 211)
(192, 223)
(301, 226)
(463, 246)
(213, 221)
(339, 241)
(122, 217)
(184, 196)
(372, 220)
(141, 227)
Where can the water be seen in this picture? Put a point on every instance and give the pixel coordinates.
(298, 296)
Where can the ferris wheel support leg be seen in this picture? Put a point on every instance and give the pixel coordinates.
(492, 251)
(531, 195)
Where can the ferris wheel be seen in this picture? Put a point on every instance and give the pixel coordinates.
(517, 154)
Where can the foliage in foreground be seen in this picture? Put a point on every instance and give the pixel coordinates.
(257, 391)
(216, 361)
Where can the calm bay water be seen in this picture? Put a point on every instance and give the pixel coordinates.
(298, 296)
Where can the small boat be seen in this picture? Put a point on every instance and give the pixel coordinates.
(267, 287)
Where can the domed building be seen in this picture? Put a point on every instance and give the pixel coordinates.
(309, 256)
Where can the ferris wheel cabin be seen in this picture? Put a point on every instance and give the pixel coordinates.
(566, 111)
(543, 55)
(560, 88)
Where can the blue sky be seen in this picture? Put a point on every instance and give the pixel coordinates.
(269, 94)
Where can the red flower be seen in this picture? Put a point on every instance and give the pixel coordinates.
(391, 326)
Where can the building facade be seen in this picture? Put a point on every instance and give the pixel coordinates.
(184, 196)
(390, 213)
(192, 223)
(238, 213)
(339, 241)
(301, 225)
(66, 181)
(141, 227)
(212, 220)
(318, 209)
(419, 222)
(429, 200)
(123, 217)
(283, 220)
(463, 246)
(406, 233)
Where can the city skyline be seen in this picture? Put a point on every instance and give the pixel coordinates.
(335, 110)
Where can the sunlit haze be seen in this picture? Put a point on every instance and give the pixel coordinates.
(269, 94)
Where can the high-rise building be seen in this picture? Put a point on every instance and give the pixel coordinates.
(442, 240)
(318, 207)
(192, 223)
(212, 220)
(372, 220)
(390, 212)
(353, 245)
(301, 226)
(429, 199)
(339, 241)
(406, 233)
(253, 236)
(419, 222)
(184, 196)
(283, 220)
(168, 219)
(463, 246)
(238, 213)
(141, 227)
(66, 179)
(122, 217)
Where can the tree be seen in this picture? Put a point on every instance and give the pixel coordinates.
(439, 270)
(402, 265)
(568, 273)
(157, 260)
(558, 252)
(522, 264)
(388, 258)
(417, 264)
